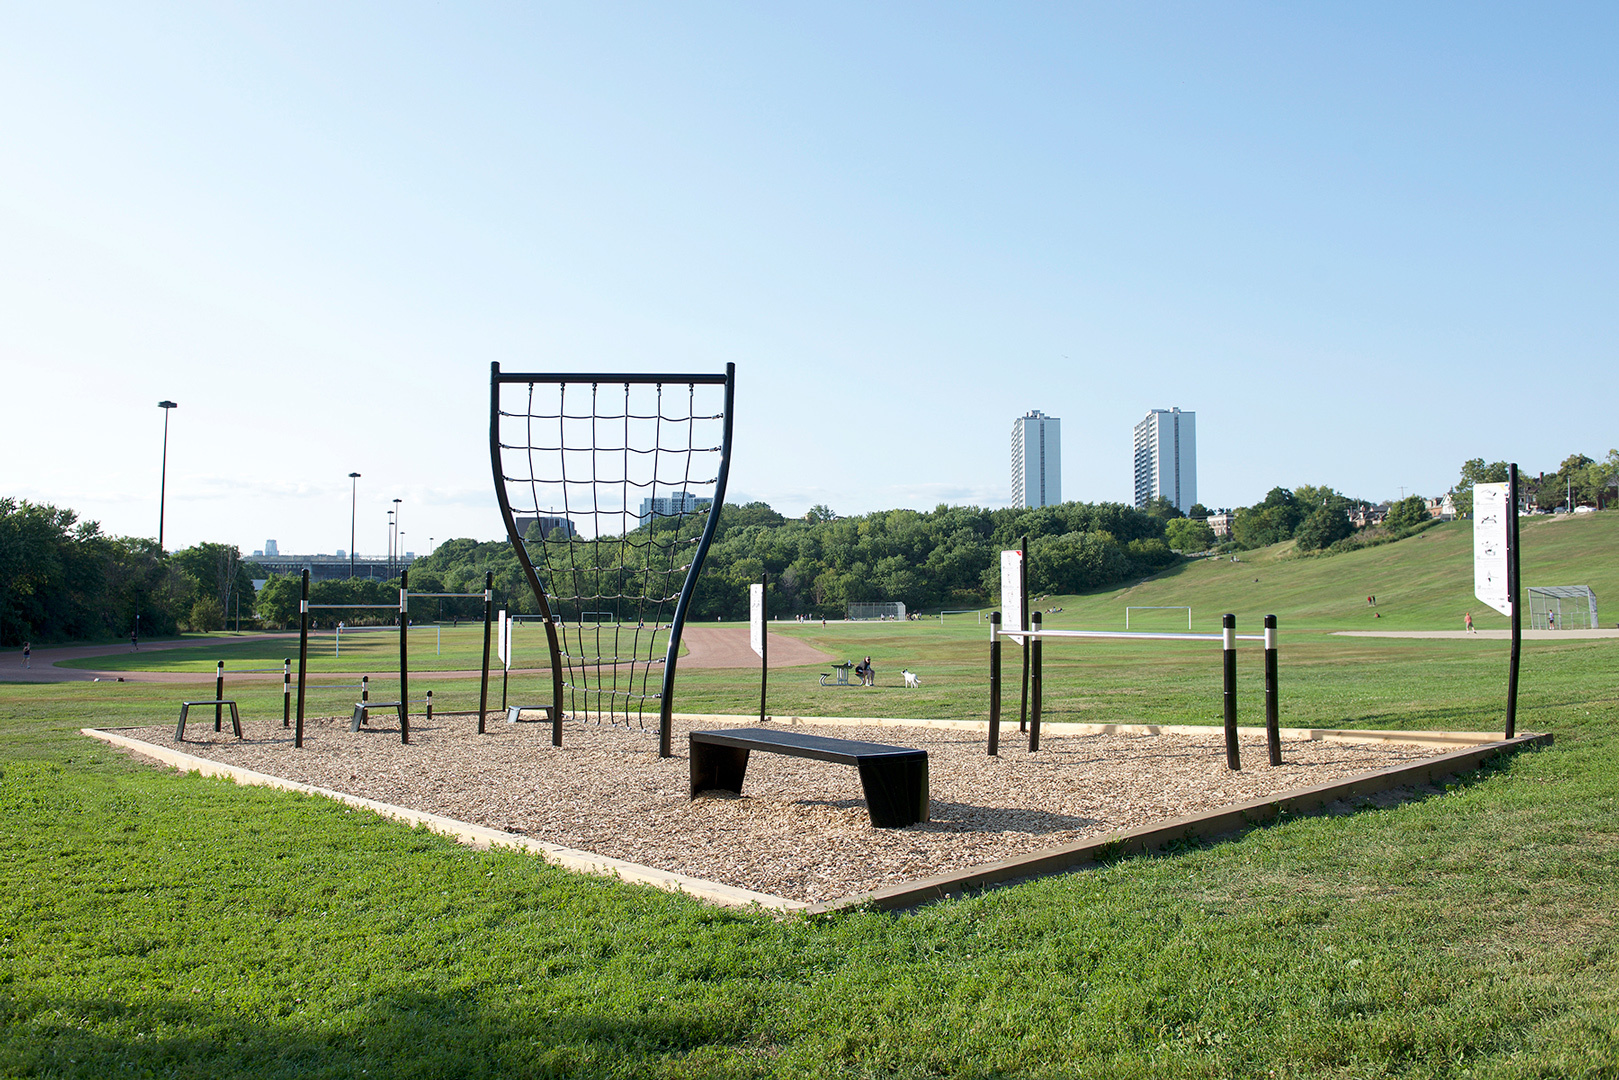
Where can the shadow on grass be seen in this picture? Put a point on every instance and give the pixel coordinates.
(397, 1034)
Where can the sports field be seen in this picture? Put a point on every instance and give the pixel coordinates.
(168, 925)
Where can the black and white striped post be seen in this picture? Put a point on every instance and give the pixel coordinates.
(1228, 627)
(488, 613)
(365, 697)
(404, 666)
(1034, 685)
(286, 692)
(994, 683)
(219, 692)
(430, 704)
(303, 655)
(1273, 734)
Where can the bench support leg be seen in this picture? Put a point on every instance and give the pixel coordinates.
(717, 767)
(359, 717)
(180, 728)
(235, 720)
(896, 791)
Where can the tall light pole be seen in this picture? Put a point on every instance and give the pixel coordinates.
(390, 543)
(354, 495)
(399, 552)
(163, 481)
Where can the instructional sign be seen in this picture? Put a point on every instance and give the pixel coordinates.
(1491, 522)
(503, 640)
(1012, 592)
(756, 618)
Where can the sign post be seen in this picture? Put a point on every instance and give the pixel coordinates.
(1495, 568)
(1015, 611)
(758, 637)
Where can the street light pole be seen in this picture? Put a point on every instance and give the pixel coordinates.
(163, 481)
(354, 489)
(390, 544)
(399, 552)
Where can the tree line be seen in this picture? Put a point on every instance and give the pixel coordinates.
(62, 579)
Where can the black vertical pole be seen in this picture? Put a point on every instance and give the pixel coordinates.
(219, 692)
(1273, 732)
(994, 683)
(430, 704)
(1512, 595)
(404, 666)
(764, 641)
(488, 612)
(303, 655)
(1023, 624)
(1034, 698)
(286, 692)
(1233, 758)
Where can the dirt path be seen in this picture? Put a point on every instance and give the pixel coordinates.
(707, 647)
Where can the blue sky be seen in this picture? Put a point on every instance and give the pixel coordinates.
(1363, 242)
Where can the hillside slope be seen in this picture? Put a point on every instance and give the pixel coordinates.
(1424, 582)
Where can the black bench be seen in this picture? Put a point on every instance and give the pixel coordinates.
(894, 778)
(185, 707)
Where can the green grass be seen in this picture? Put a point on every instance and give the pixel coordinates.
(153, 924)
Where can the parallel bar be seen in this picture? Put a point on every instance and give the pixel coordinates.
(1136, 635)
(638, 379)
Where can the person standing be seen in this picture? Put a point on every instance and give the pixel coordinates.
(135, 640)
(27, 651)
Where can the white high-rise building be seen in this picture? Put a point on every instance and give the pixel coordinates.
(1166, 458)
(1036, 460)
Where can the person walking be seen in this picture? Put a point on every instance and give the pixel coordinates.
(27, 651)
(1468, 619)
(135, 641)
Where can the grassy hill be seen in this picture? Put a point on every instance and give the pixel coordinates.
(1424, 582)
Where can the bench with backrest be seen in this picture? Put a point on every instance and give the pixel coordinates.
(185, 707)
(894, 778)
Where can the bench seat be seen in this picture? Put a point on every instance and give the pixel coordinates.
(185, 707)
(894, 778)
(363, 708)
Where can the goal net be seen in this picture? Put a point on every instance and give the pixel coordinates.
(611, 487)
(1562, 607)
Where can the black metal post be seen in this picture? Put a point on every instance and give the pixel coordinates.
(404, 660)
(994, 683)
(303, 655)
(764, 640)
(219, 692)
(1273, 732)
(430, 704)
(1233, 757)
(286, 692)
(354, 503)
(488, 612)
(1036, 680)
(1023, 624)
(1512, 594)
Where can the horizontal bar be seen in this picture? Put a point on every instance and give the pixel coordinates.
(389, 607)
(642, 378)
(1125, 634)
(478, 595)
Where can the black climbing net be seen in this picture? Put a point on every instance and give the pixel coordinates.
(610, 486)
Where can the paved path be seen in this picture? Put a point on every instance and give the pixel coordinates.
(706, 647)
(1487, 635)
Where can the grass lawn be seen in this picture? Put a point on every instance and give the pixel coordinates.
(153, 924)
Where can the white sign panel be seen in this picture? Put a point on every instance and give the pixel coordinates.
(756, 618)
(1490, 524)
(503, 640)
(1012, 591)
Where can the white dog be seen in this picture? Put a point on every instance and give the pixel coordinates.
(912, 679)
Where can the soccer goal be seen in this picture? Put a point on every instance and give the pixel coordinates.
(1562, 607)
(620, 480)
(885, 609)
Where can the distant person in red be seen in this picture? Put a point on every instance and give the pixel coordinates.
(1468, 619)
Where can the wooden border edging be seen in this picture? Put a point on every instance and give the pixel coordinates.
(477, 836)
(1219, 822)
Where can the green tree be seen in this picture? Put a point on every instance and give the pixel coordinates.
(1189, 534)
(277, 601)
(1408, 513)
(1162, 509)
(1325, 525)
(1474, 471)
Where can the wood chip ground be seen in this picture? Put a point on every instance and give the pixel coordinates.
(800, 829)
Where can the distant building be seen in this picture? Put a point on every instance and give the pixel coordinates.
(269, 549)
(1166, 458)
(671, 505)
(1036, 460)
(1220, 522)
(548, 525)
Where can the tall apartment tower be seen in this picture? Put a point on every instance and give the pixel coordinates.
(1166, 458)
(1036, 460)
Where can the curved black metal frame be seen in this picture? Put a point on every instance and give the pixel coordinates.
(688, 587)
